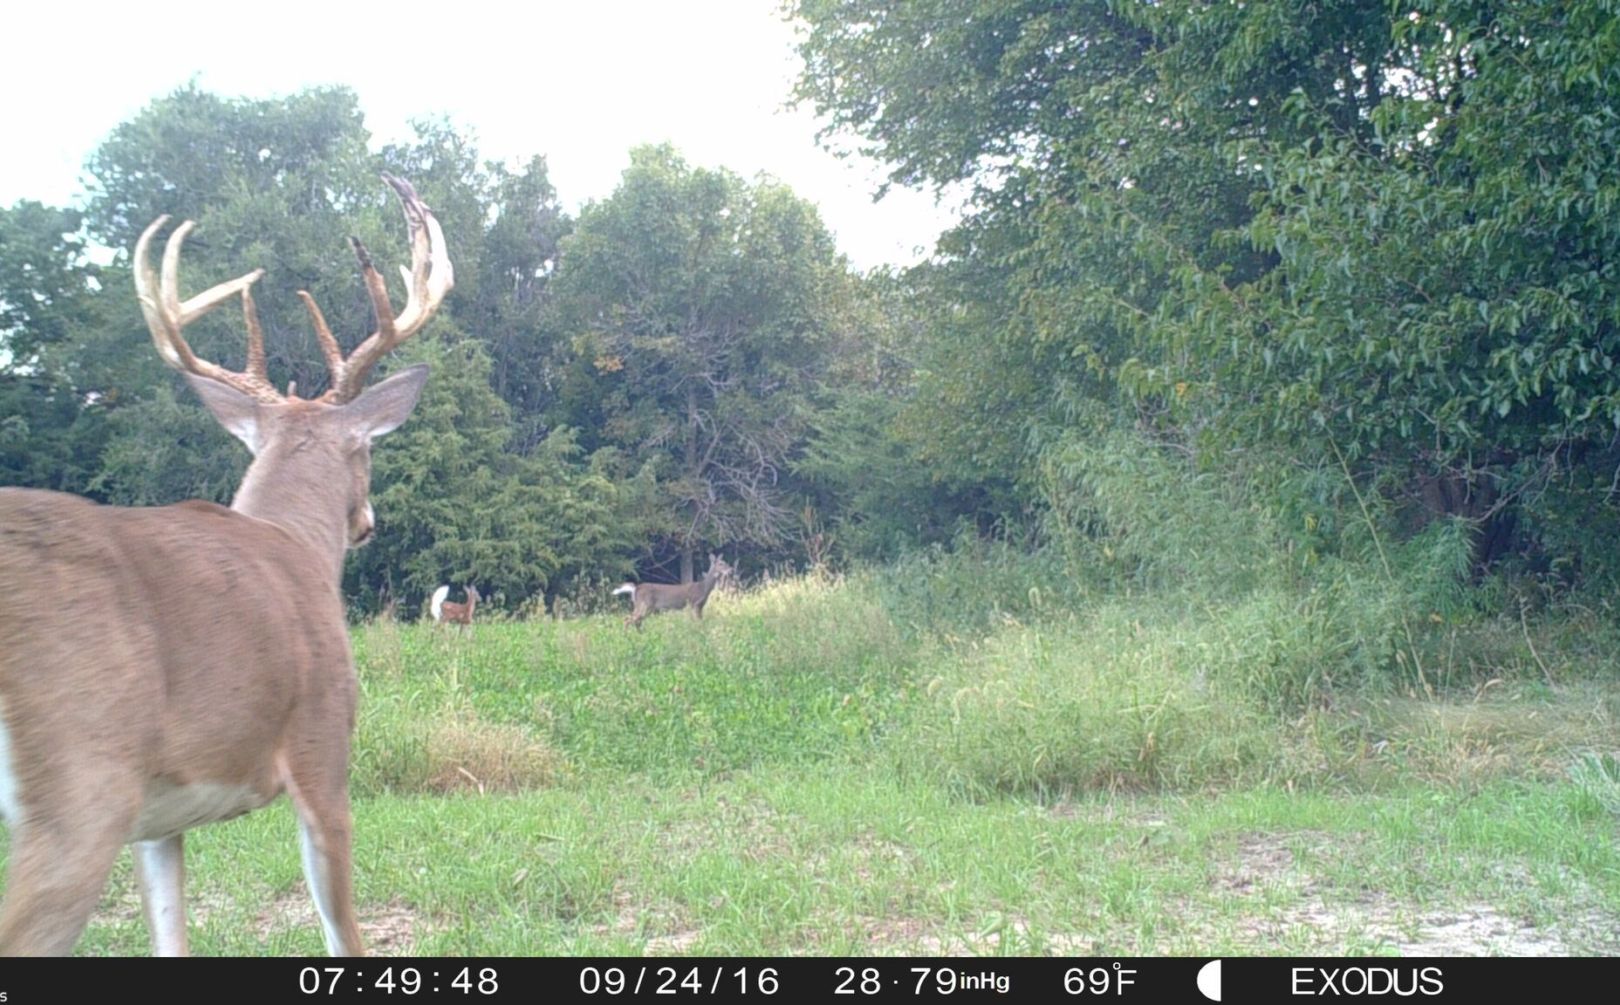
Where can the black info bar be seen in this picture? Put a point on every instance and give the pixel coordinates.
(797, 978)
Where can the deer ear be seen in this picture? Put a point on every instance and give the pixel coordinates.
(384, 407)
(237, 412)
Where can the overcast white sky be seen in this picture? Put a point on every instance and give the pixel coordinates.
(580, 83)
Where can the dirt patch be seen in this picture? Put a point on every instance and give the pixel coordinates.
(863, 857)
(121, 905)
(293, 909)
(1467, 930)
(388, 930)
(632, 919)
(1474, 930)
(769, 833)
(1262, 862)
(1317, 919)
(1481, 930)
(671, 945)
(1268, 902)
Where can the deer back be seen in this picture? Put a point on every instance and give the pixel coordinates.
(667, 596)
(196, 610)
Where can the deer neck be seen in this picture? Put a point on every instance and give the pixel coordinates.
(303, 489)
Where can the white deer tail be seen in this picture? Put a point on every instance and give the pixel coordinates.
(629, 588)
(438, 602)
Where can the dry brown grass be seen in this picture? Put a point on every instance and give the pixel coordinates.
(465, 753)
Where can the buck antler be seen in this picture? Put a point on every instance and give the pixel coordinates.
(166, 315)
(428, 279)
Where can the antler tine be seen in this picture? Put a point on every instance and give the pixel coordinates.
(323, 334)
(427, 281)
(257, 366)
(166, 315)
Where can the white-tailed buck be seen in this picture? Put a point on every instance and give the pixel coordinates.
(451, 612)
(648, 598)
(166, 667)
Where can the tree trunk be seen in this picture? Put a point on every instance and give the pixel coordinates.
(1473, 496)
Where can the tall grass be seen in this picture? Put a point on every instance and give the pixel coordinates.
(1179, 630)
(974, 587)
(1145, 691)
(1110, 700)
(1297, 566)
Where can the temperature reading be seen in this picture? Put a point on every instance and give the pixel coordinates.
(1098, 980)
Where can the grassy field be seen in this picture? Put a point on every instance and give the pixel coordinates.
(898, 764)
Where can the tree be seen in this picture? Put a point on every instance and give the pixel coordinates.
(1341, 230)
(697, 307)
(1107, 148)
(521, 254)
(896, 455)
(506, 249)
(47, 285)
(455, 503)
(1444, 304)
(277, 184)
(49, 431)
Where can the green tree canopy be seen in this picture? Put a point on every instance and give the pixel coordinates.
(699, 307)
(49, 431)
(1334, 228)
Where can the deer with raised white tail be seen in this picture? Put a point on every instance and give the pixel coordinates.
(648, 598)
(450, 612)
(171, 666)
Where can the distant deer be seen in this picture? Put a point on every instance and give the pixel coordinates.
(451, 612)
(171, 666)
(647, 598)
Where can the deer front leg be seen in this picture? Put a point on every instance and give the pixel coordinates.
(325, 844)
(325, 839)
(160, 872)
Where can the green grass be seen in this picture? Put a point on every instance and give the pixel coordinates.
(855, 766)
(849, 860)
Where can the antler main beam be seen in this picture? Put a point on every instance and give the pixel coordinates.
(166, 315)
(427, 281)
